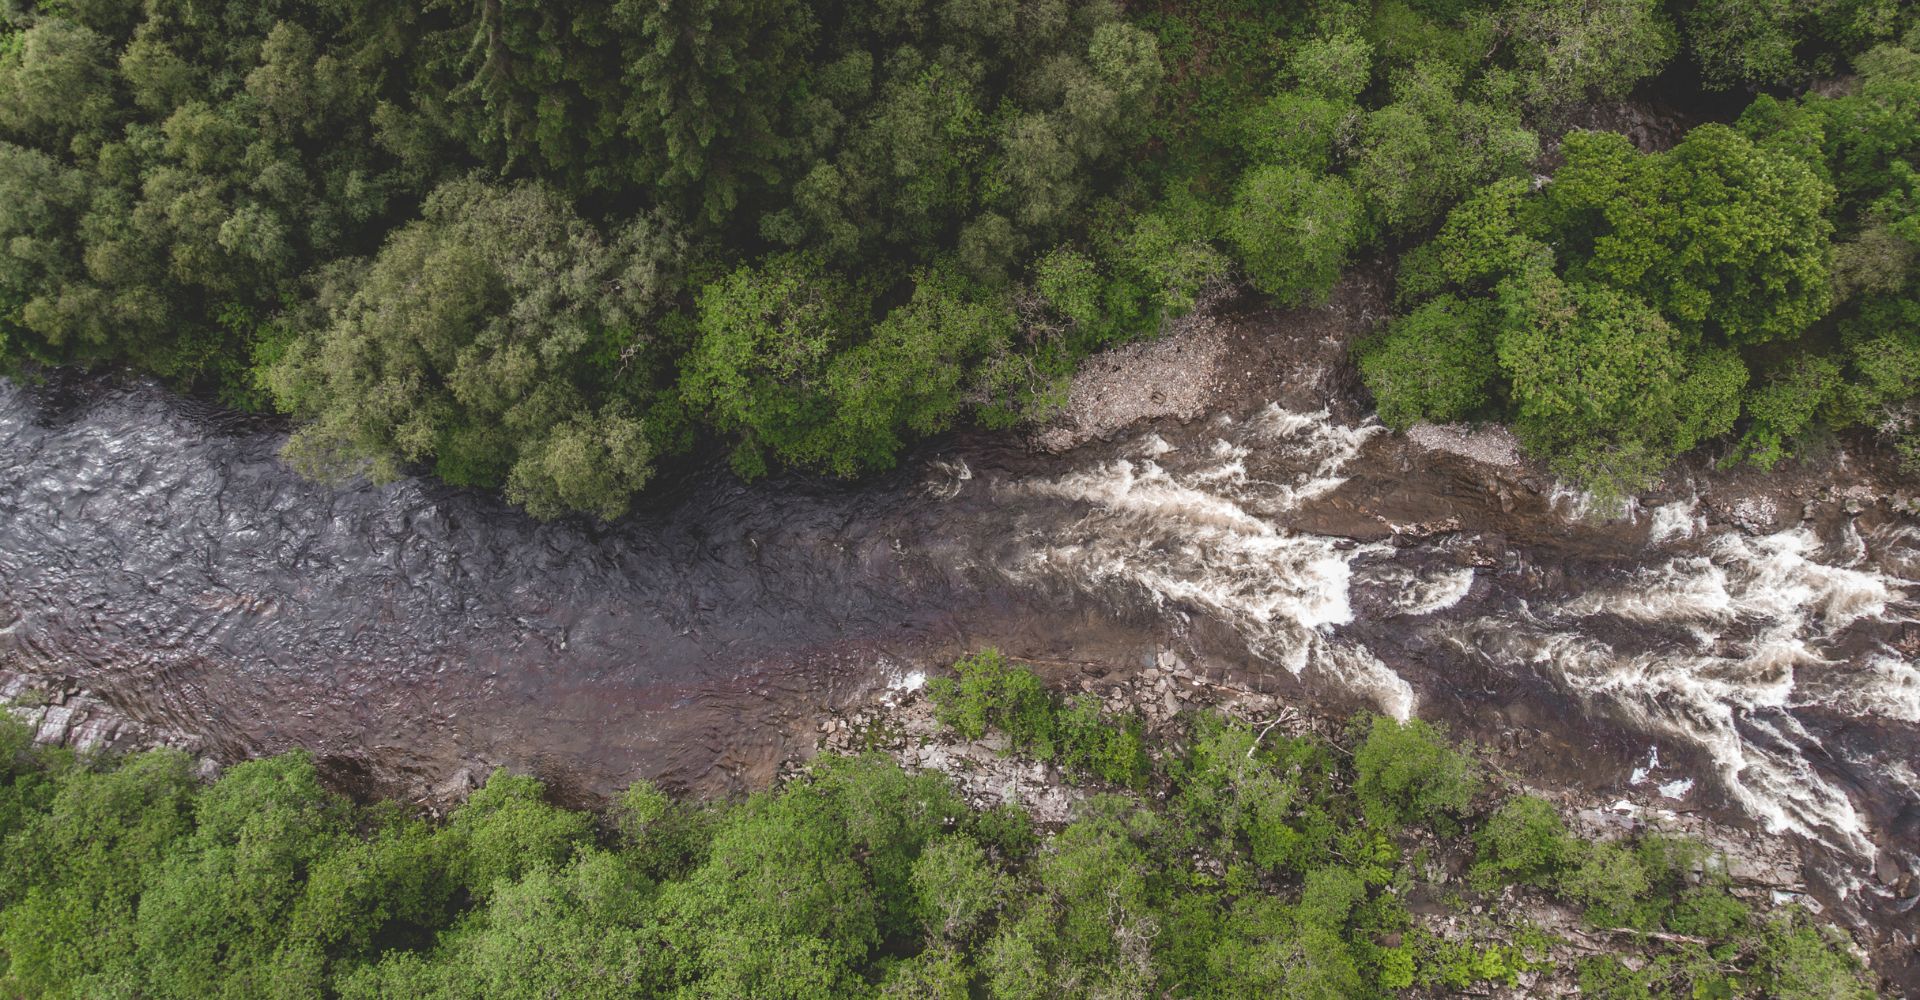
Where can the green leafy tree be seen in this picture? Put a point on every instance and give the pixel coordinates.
(577, 931)
(957, 888)
(1431, 147)
(767, 335)
(71, 876)
(780, 908)
(1784, 408)
(214, 915)
(1256, 793)
(1524, 841)
(482, 338)
(1721, 236)
(1293, 230)
(1570, 52)
(912, 374)
(1436, 363)
(1604, 385)
(1404, 772)
(506, 829)
(988, 692)
(1766, 43)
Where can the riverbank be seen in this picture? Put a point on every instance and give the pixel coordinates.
(416, 637)
(1764, 871)
(1235, 861)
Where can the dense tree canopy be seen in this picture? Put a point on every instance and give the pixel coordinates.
(541, 246)
(467, 341)
(1643, 303)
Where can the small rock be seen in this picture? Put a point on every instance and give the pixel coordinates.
(456, 787)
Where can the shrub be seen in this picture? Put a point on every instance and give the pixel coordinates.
(1405, 773)
(1294, 230)
(1525, 842)
(986, 692)
(1436, 363)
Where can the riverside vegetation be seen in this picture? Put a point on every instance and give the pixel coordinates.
(1225, 862)
(541, 246)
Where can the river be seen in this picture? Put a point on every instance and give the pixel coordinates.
(1711, 651)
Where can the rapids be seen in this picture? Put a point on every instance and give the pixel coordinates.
(155, 550)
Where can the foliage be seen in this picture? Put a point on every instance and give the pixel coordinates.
(1523, 842)
(1436, 363)
(1433, 145)
(1722, 236)
(541, 247)
(988, 693)
(130, 877)
(1568, 52)
(1603, 384)
(1632, 295)
(1760, 43)
(466, 342)
(1264, 795)
(1293, 230)
(1405, 772)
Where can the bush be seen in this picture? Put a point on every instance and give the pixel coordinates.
(1803, 962)
(1523, 842)
(1568, 52)
(1092, 743)
(1603, 385)
(1257, 795)
(1785, 407)
(1436, 363)
(129, 878)
(988, 693)
(1293, 230)
(1405, 773)
(956, 888)
(1611, 881)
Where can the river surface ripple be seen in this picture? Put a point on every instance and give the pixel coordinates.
(155, 549)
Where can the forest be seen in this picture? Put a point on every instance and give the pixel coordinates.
(543, 247)
(1226, 862)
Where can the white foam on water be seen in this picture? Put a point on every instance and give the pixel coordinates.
(950, 478)
(1640, 774)
(1195, 529)
(1885, 685)
(1732, 693)
(1362, 671)
(1677, 520)
(1773, 578)
(1576, 504)
(1199, 529)
(1146, 491)
(1902, 773)
(1414, 593)
(1438, 592)
(1231, 464)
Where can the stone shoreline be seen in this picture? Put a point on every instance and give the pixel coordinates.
(1766, 869)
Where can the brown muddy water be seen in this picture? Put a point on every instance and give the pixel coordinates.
(155, 550)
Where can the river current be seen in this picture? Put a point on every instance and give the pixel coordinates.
(155, 550)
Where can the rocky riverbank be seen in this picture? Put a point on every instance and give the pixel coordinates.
(1767, 871)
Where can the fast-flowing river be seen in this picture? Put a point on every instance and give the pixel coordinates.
(155, 550)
